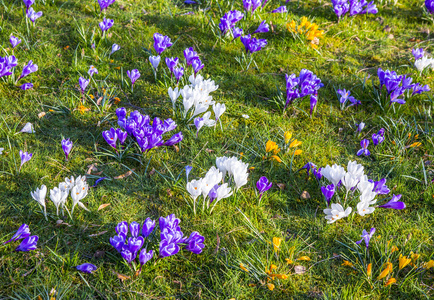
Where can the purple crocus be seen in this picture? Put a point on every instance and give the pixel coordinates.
(197, 65)
(309, 166)
(175, 139)
(262, 28)
(212, 194)
(328, 192)
(189, 55)
(25, 157)
(281, 9)
(380, 187)
(364, 150)
(115, 47)
(118, 242)
(366, 237)
(133, 75)
(195, 243)
(145, 256)
(32, 15)
(134, 229)
(66, 146)
(22, 232)
(127, 254)
(360, 126)
(135, 244)
(429, 4)
(178, 72)
(28, 244)
(313, 102)
(6, 65)
(83, 83)
(148, 227)
(317, 173)
(110, 137)
(377, 139)
(187, 171)
(92, 71)
(86, 268)
(237, 32)
(122, 135)
(394, 203)
(198, 122)
(161, 42)
(14, 41)
(104, 4)
(168, 249)
(28, 3)
(344, 96)
(171, 62)
(263, 185)
(417, 53)
(106, 24)
(26, 86)
(122, 228)
(28, 69)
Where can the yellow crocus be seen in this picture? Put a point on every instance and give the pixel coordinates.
(287, 135)
(369, 270)
(298, 152)
(390, 281)
(289, 261)
(429, 265)
(388, 269)
(279, 276)
(414, 256)
(403, 261)
(270, 286)
(243, 268)
(270, 146)
(294, 143)
(276, 158)
(346, 263)
(394, 248)
(81, 108)
(417, 144)
(276, 243)
(307, 258)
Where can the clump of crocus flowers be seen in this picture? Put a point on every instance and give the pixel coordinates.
(354, 187)
(307, 30)
(147, 135)
(306, 84)
(354, 7)
(229, 20)
(143, 241)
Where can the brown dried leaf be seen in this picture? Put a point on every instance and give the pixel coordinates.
(91, 168)
(97, 234)
(121, 276)
(152, 172)
(299, 269)
(305, 195)
(281, 186)
(98, 102)
(41, 114)
(103, 206)
(209, 150)
(176, 148)
(125, 175)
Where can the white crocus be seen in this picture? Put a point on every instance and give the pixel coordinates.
(349, 181)
(58, 196)
(1, 150)
(365, 186)
(207, 119)
(200, 108)
(28, 128)
(212, 177)
(363, 208)
(70, 182)
(334, 173)
(355, 169)
(221, 164)
(336, 212)
(155, 61)
(239, 172)
(218, 109)
(173, 94)
(194, 187)
(423, 63)
(78, 193)
(368, 197)
(39, 196)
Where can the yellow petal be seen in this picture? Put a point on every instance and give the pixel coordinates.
(270, 286)
(403, 261)
(294, 143)
(288, 261)
(369, 270)
(390, 281)
(280, 276)
(414, 256)
(276, 243)
(276, 158)
(429, 265)
(243, 268)
(298, 152)
(287, 135)
(307, 258)
(270, 146)
(386, 271)
(394, 248)
(347, 263)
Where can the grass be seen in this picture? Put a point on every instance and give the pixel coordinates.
(239, 231)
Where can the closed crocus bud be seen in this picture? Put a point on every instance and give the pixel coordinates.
(16, 41)
(134, 229)
(168, 249)
(175, 139)
(26, 86)
(195, 243)
(144, 256)
(22, 232)
(86, 268)
(148, 227)
(118, 242)
(115, 47)
(122, 228)
(28, 244)
(155, 61)
(25, 157)
(122, 135)
(127, 254)
(134, 244)
(66, 146)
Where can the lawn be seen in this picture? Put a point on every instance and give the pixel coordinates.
(258, 244)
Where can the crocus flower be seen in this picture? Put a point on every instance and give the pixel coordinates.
(263, 185)
(145, 256)
(197, 65)
(25, 157)
(377, 139)
(106, 24)
(115, 47)
(28, 128)
(135, 244)
(127, 254)
(104, 4)
(66, 146)
(175, 139)
(189, 55)
(281, 9)
(380, 187)
(110, 137)
(198, 122)
(26, 86)
(168, 249)
(32, 15)
(58, 196)
(417, 53)
(237, 32)
(28, 69)
(134, 229)
(133, 75)
(262, 28)
(171, 62)
(364, 150)
(148, 227)
(366, 237)
(92, 71)
(21, 233)
(118, 242)
(360, 126)
(122, 228)
(83, 83)
(122, 135)
(394, 203)
(195, 243)
(161, 43)
(328, 192)
(14, 41)
(98, 181)
(28, 3)
(429, 4)
(218, 109)
(155, 61)
(313, 102)
(336, 212)
(86, 268)
(178, 72)
(28, 244)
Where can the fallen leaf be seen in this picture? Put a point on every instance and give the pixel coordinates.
(176, 148)
(91, 168)
(41, 114)
(209, 150)
(152, 172)
(305, 195)
(281, 186)
(121, 276)
(103, 206)
(98, 102)
(299, 269)
(97, 234)
(387, 28)
(125, 175)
